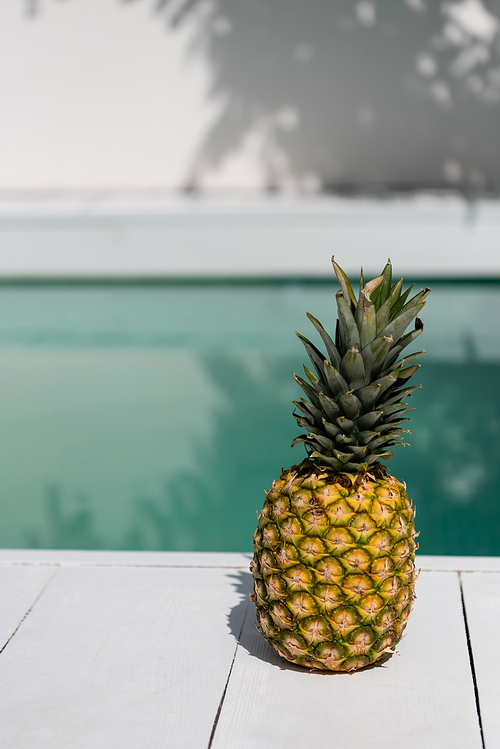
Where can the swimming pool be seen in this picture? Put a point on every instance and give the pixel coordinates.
(154, 416)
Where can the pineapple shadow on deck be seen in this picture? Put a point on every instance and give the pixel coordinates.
(257, 647)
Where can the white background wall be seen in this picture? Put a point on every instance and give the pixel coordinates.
(282, 93)
(101, 97)
(97, 94)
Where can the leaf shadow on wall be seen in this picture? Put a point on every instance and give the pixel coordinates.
(347, 96)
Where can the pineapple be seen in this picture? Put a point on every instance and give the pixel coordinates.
(334, 550)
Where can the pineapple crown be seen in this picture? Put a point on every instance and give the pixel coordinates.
(355, 395)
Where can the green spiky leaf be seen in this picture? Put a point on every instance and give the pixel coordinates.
(329, 406)
(334, 380)
(384, 290)
(352, 368)
(331, 349)
(355, 402)
(345, 285)
(349, 333)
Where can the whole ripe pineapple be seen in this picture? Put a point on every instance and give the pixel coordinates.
(334, 549)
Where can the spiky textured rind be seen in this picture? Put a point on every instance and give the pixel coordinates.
(333, 567)
(355, 402)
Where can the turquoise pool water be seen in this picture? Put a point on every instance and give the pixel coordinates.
(154, 417)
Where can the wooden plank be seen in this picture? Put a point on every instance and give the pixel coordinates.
(458, 564)
(482, 605)
(19, 588)
(423, 698)
(206, 559)
(121, 657)
(126, 558)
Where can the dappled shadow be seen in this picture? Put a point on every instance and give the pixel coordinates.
(347, 95)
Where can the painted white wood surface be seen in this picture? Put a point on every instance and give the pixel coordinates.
(135, 649)
(423, 698)
(19, 589)
(125, 558)
(458, 564)
(121, 657)
(205, 559)
(482, 603)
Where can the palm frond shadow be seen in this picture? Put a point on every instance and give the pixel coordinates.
(345, 95)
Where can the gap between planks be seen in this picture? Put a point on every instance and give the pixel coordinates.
(29, 610)
(471, 661)
(57, 565)
(221, 703)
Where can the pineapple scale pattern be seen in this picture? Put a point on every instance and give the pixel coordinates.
(333, 567)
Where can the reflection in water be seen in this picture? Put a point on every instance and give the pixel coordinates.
(67, 529)
(451, 469)
(161, 447)
(212, 505)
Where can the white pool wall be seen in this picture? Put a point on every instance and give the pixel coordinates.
(155, 234)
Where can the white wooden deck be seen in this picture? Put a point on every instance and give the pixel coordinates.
(146, 650)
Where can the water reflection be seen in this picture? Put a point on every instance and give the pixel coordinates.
(212, 504)
(65, 527)
(451, 469)
(142, 446)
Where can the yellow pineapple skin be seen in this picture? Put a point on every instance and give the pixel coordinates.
(334, 566)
